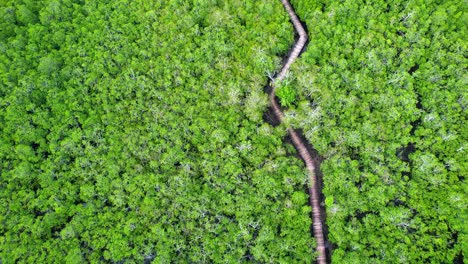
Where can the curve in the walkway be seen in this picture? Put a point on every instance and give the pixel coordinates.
(297, 140)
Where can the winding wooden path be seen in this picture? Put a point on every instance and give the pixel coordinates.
(297, 140)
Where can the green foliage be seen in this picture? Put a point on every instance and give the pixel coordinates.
(132, 131)
(386, 91)
(287, 94)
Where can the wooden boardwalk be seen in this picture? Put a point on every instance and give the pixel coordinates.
(297, 140)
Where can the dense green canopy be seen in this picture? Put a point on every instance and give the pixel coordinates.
(383, 97)
(132, 130)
